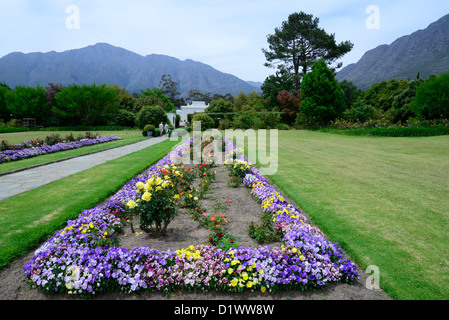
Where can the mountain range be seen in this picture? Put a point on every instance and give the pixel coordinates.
(425, 52)
(104, 63)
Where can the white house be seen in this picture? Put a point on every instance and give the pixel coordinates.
(195, 106)
(172, 118)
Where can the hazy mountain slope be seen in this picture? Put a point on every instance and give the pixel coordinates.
(103, 63)
(424, 51)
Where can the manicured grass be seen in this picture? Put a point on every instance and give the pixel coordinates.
(28, 219)
(385, 200)
(128, 137)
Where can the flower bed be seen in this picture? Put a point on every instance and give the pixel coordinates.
(82, 259)
(30, 152)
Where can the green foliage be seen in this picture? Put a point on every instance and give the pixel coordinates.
(432, 98)
(395, 131)
(15, 123)
(4, 111)
(206, 121)
(402, 101)
(149, 127)
(275, 84)
(351, 93)
(360, 111)
(86, 105)
(270, 120)
(27, 102)
(381, 95)
(124, 118)
(220, 106)
(265, 232)
(225, 124)
(322, 96)
(247, 120)
(151, 115)
(299, 43)
(170, 89)
(155, 97)
(219, 109)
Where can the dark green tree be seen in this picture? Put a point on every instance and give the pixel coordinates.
(28, 102)
(5, 113)
(151, 115)
(299, 43)
(155, 97)
(322, 96)
(351, 92)
(170, 89)
(275, 84)
(359, 111)
(86, 104)
(402, 101)
(432, 98)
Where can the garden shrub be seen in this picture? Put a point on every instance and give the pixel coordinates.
(359, 112)
(247, 120)
(149, 127)
(151, 115)
(270, 120)
(432, 98)
(225, 124)
(206, 121)
(124, 118)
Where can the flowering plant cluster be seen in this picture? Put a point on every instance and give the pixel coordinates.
(20, 152)
(72, 261)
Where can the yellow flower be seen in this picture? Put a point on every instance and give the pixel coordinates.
(140, 185)
(230, 270)
(245, 276)
(234, 262)
(234, 282)
(176, 196)
(249, 284)
(263, 289)
(146, 196)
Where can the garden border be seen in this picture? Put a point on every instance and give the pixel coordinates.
(55, 269)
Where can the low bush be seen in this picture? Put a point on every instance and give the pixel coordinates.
(206, 121)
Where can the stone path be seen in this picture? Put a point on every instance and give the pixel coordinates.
(22, 181)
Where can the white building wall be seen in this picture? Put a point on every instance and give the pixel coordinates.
(196, 106)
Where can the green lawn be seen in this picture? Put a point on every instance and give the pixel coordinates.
(128, 137)
(28, 219)
(385, 200)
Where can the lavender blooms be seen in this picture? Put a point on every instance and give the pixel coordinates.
(15, 155)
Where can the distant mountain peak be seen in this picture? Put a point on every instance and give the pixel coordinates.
(425, 51)
(105, 63)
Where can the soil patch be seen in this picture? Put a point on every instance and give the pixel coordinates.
(184, 231)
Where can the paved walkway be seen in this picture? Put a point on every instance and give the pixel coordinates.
(19, 182)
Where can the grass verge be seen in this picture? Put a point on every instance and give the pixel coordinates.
(128, 137)
(29, 219)
(383, 199)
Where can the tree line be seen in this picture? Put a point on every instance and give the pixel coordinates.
(303, 92)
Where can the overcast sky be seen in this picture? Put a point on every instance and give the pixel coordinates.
(228, 35)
